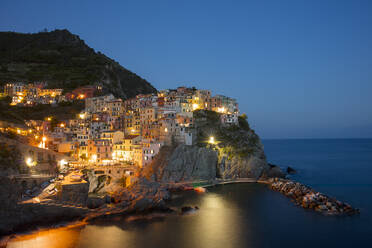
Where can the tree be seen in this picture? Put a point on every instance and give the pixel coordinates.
(243, 123)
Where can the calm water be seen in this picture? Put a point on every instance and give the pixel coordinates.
(250, 215)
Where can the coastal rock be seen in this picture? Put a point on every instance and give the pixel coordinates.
(97, 183)
(74, 193)
(188, 209)
(184, 163)
(142, 195)
(95, 202)
(241, 167)
(291, 171)
(308, 198)
(274, 171)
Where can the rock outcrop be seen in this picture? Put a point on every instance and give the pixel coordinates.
(237, 153)
(142, 195)
(76, 193)
(188, 163)
(308, 198)
(249, 166)
(240, 151)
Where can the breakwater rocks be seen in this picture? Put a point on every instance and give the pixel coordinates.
(308, 198)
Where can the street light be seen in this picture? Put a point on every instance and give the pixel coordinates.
(211, 140)
(62, 162)
(94, 158)
(30, 162)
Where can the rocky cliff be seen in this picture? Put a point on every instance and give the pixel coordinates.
(183, 163)
(236, 153)
(64, 61)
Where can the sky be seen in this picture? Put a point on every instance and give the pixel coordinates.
(299, 69)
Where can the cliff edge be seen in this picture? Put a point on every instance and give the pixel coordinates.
(236, 152)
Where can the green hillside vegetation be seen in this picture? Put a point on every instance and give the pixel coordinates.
(64, 61)
(238, 140)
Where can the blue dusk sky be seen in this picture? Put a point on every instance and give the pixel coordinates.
(299, 69)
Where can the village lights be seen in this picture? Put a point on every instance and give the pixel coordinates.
(82, 116)
(30, 162)
(211, 140)
(42, 144)
(62, 125)
(62, 163)
(221, 110)
(18, 131)
(94, 158)
(49, 118)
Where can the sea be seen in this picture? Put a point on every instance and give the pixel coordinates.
(247, 215)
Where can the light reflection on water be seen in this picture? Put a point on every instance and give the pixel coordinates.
(214, 225)
(53, 238)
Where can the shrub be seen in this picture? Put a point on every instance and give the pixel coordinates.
(243, 123)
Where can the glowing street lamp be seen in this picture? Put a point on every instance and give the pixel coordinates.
(94, 158)
(211, 140)
(82, 116)
(42, 144)
(30, 162)
(221, 110)
(62, 163)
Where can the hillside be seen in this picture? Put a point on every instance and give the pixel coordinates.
(18, 114)
(64, 61)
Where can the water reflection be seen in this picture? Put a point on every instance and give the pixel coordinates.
(53, 238)
(107, 236)
(216, 224)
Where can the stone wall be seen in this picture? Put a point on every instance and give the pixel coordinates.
(76, 193)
